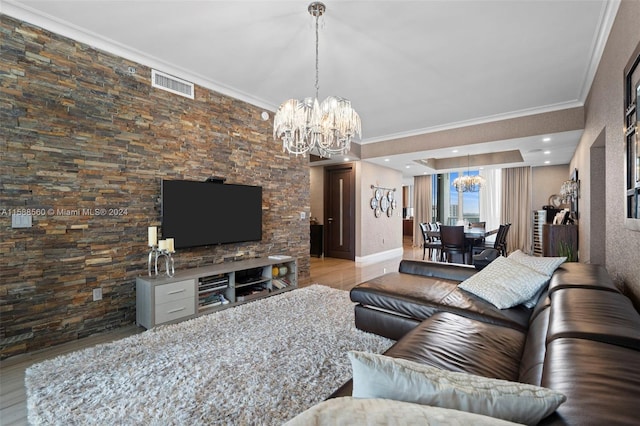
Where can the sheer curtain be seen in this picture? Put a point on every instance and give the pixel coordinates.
(516, 207)
(422, 200)
(490, 198)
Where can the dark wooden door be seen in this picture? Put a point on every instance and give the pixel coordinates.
(340, 211)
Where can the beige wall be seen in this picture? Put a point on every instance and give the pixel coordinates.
(377, 234)
(316, 178)
(546, 182)
(604, 116)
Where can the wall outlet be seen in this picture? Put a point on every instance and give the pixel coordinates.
(97, 294)
(21, 220)
(303, 215)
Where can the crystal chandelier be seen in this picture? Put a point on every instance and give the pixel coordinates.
(324, 129)
(468, 183)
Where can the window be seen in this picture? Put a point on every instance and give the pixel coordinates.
(632, 138)
(464, 207)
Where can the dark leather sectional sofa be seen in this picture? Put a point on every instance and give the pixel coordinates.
(582, 338)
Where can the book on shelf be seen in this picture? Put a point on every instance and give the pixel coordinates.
(279, 257)
(214, 299)
(279, 284)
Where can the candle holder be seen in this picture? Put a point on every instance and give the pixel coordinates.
(154, 254)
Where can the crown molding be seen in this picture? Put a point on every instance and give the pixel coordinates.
(607, 18)
(477, 121)
(27, 14)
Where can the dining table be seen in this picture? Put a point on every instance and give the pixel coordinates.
(478, 233)
(472, 235)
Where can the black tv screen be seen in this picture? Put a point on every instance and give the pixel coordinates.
(205, 213)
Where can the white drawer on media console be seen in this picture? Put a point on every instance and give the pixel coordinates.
(175, 291)
(173, 310)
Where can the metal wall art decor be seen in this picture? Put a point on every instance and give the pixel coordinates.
(383, 202)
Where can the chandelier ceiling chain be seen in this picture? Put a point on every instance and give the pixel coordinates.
(468, 183)
(317, 10)
(307, 126)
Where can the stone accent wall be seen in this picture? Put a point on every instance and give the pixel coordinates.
(79, 133)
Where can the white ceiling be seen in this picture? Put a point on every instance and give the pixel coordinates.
(408, 67)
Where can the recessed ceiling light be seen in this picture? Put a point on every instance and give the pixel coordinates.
(547, 152)
(546, 139)
(455, 150)
(547, 162)
(386, 159)
(346, 158)
(408, 167)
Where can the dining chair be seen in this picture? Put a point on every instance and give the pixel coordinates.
(430, 242)
(500, 243)
(502, 240)
(454, 243)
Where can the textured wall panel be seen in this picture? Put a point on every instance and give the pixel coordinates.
(79, 133)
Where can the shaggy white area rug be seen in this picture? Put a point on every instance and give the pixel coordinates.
(260, 363)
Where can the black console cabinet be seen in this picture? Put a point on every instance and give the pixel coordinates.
(317, 238)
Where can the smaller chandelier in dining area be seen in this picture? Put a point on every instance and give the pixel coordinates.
(324, 129)
(468, 183)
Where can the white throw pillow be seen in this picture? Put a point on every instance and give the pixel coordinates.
(544, 265)
(352, 411)
(531, 303)
(380, 376)
(505, 283)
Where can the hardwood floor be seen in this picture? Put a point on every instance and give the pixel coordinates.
(336, 273)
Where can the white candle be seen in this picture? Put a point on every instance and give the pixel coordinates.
(170, 245)
(153, 235)
(162, 245)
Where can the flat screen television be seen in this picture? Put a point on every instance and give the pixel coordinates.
(204, 213)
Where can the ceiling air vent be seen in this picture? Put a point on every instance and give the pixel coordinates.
(171, 84)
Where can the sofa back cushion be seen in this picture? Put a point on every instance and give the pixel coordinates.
(445, 271)
(601, 382)
(593, 314)
(581, 275)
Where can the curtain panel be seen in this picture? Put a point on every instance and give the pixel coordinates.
(516, 207)
(490, 198)
(422, 206)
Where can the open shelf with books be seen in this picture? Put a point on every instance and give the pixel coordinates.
(214, 290)
(283, 275)
(198, 291)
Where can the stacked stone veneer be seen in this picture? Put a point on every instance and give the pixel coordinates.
(78, 132)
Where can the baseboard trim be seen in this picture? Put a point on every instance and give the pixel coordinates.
(380, 256)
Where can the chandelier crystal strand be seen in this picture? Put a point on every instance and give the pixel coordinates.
(324, 129)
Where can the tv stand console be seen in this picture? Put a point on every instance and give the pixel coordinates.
(198, 291)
